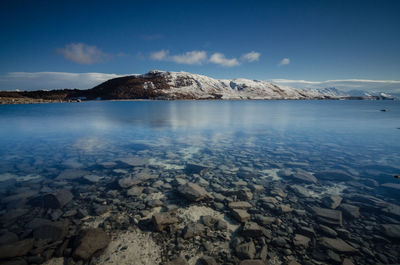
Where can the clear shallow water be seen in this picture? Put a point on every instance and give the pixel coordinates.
(323, 134)
(251, 150)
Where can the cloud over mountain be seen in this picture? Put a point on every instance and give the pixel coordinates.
(82, 53)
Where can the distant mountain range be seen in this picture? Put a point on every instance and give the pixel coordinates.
(183, 85)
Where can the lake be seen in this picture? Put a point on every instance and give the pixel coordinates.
(304, 162)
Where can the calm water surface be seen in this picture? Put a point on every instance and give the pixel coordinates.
(272, 134)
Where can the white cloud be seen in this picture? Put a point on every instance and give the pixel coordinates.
(52, 80)
(159, 56)
(82, 53)
(285, 61)
(390, 86)
(219, 58)
(200, 57)
(191, 57)
(251, 56)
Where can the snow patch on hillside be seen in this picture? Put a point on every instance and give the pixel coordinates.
(200, 86)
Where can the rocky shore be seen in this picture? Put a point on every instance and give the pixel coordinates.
(132, 211)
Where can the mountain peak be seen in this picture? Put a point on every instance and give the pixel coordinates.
(184, 85)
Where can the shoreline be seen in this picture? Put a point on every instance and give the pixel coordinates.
(18, 101)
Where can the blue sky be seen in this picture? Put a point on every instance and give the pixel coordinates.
(285, 41)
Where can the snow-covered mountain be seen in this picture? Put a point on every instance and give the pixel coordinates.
(183, 85)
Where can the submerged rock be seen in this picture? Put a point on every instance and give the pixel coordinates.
(301, 241)
(241, 215)
(207, 260)
(135, 191)
(16, 249)
(128, 182)
(193, 168)
(50, 232)
(54, 200)
(239, 205)
(193, 230)
(334, 175)
(134, 161)
(246, 250)
(252, 262)
(265, 220)
(91, 241)
(392, 230)
(350, 210)
(300, 191)
(328, 216)
(327, 231)
(337, 244)
(164, 219)
(92, 178)
(71, 174)
(303, 176)
(177, 261)
(332, 201)
(8, 237)
(193, 192)
(251, 229)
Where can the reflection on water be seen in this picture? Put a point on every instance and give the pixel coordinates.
(355, 131)
(342, 148)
